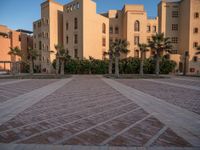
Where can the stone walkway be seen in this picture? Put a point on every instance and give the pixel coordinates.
(96, 113)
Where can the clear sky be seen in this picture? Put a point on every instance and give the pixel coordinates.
(20, 14)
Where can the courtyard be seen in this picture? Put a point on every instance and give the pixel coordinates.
(92, 112)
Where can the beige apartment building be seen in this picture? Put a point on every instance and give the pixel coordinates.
(11, 39)
(180, 21)
(85, 33)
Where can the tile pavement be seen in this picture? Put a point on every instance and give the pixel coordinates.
(90, 114)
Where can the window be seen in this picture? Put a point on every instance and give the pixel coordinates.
(77, 6)
(196, 30)
(75, 53)
(175, 14)
(20, 38)
(47, 21)
(116, 30)
(40, 45)
(47, 35)
(47, 48)
(136, 40)
(75, 23)
(195, 58)
(137, 53)
(67, 26)
(148, 28)
(196, 15)
(195, 44)
(67, 39)
(34, 26)
(116, 16)
(174, 27)
(111, 30)
(137, 26)
(75, 39)
(104, 42)
(35, 45)
(174, 40)
(104, 28)
(154, 29)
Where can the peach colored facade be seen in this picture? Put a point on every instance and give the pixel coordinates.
(85, 33)
(180, 21)
(132, 24)
(11, 39)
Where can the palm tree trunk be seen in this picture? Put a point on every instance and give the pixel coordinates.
(57, 66)
(142, 64)
(62, 68)
(110, 65)
(157, 64)
(31, 66)
(117, 66)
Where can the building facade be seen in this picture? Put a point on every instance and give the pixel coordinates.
(11, 39)
(180, 21)
(132, 24)
(85, 33)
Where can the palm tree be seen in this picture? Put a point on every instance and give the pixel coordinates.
(110, 53)
(159, 44)
(61, 56)
(58, 48)
(198, 48)
(143, 49)
(120, 47)
(32, 55)
(14, 52)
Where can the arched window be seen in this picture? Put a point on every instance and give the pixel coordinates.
(75, 23)
(137, 26)
(104, 28)
(116, 30)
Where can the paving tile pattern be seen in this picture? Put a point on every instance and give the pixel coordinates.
(86, 111)
(183, 82)
(13, 90)
(185, 98)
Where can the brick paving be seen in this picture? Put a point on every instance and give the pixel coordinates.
(185, 98)
(12, 90)
(87, 111)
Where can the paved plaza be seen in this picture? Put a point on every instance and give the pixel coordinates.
(92, 112)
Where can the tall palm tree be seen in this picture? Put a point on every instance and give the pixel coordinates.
(143, 49)
(15, 52)
(120, 47)
(32, 55)
(110, 53)
(159, 44)
(58, 48)
(198, 48)
(61, 56)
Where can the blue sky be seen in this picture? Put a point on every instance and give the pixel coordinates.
(21, 13)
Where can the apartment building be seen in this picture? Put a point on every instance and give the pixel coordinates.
(10, 39)
(76, 26)
(132, 24)
(180, 21)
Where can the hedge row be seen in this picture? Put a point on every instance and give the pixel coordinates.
(126, 66)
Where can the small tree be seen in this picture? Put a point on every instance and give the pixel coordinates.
(119, 47)
(32, 55)
(159, 44)
(63, 55)
(14, 52)
(58, 48)
(143, 49)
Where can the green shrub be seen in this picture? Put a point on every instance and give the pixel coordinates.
(129, 65)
